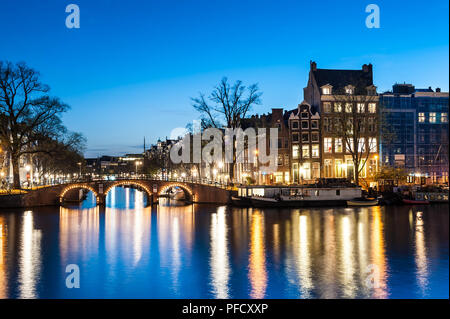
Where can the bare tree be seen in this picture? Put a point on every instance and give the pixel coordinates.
(28, 115)
(358, 127)
(226, 106)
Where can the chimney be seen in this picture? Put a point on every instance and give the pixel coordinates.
(367, 68)
(429, 88)
(438, 90)
(313, 65)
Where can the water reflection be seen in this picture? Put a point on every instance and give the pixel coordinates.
(219, 260)
(29, 258)
(420, 252)
(196, 251)
(257, 264)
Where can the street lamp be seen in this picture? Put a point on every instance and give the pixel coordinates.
(79, 164)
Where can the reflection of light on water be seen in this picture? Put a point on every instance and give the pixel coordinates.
(257, 271)
(304, 257)
(220, 268)
(78, 232)
(421, 254)
(347, 262)
(378, 253)
(276, 243)
(363, 249)
(329, 256)
(3, 275)
(29, 258)
(175, 229)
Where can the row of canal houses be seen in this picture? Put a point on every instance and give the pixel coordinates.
(309, 148)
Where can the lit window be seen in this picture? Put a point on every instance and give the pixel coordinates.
(444, 117)
(327, 144)
(338, 107)
(326, 90)
(349, 146)
(295, 151)
(315, 150)
(372, 145)
(361, 145)
(349, 90)
(327, 107)
(280, 160)
(360, 108)
(421, 117)
(305, 151)
(432, 117)
(372, 107)
(338, 145)
(348, 108)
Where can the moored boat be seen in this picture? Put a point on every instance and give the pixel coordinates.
(362, 202)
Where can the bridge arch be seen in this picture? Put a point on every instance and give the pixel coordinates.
(129, 183)
(184, 187)
(78, 186)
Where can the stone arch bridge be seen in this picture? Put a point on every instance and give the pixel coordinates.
(196, 193)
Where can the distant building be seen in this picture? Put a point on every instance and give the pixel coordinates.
(419, 123)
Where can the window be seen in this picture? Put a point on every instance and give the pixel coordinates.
(432, 117)
(315, 150)
(326, 124)
(372, 107)
(278, 125)
(327, 107)
(349, 146)
(314, 124)
(295, 151)
(360, 107)
(316, 172)
(328, 168)
(371, 124)
(349, 127)
(305, 137)
(280, 143)
(294, 137)
(360, 123)
(304, 115)
(372, 145)
(327, 144)
(314, 137)
(280, 160)
(305, 125)
(338, 168)
(286, 160)
(349, 90)
(305, 151)
(421, 117)
(444, 118)
(361, 145)
(338, 145)
(337, 107)
(326, 90)
(306, 170)
(295, 125)
(348, 108)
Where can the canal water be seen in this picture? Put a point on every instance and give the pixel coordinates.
(127, 250)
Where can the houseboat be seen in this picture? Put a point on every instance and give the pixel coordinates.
(295, 196)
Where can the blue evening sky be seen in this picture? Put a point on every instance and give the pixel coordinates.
(131, 68)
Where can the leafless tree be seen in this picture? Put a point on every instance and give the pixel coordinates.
(226, 106)
(29, 117)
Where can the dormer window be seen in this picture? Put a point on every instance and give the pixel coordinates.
(371, 90)
(326, 89)
(349, 89)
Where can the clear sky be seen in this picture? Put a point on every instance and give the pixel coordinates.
(130, 69)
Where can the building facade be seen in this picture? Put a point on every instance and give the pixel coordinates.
(419, 123)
